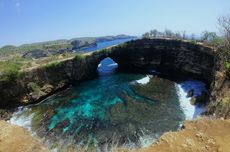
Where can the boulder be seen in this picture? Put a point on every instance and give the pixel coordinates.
(190, 93)
(200, 99)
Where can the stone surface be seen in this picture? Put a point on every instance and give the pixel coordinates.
(17, 139)
(5, 114)
(219, 104)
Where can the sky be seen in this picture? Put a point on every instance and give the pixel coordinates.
(27, 21)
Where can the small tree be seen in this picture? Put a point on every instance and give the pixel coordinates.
(178, 35)
(146, 35)
(193, 37)
(209, 36)
(168, 33)
(184, 35)
(224, 23)
(154, 33)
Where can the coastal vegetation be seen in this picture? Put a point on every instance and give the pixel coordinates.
(14, 67)
(224, 25)
(10, 69)
(53, 47)
(207, 38)
(79, 56)
(16, 59)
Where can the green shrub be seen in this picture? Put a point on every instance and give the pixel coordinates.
(10, 69)
(228, 66)
(51, 65)
(194, 42)
(79, 56)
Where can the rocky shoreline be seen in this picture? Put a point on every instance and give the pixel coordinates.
(194, 60)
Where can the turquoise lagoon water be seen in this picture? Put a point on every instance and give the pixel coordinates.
(115, 109)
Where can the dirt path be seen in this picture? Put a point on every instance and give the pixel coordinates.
(202, 135)
(39, 65)
(17, 139)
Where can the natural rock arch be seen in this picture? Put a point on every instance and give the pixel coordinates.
(168, 56)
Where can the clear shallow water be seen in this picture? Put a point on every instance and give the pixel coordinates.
(116, 109)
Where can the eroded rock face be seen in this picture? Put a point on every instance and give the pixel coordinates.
(220, 90)
(37, 84)
(167, 56)
(77, 44)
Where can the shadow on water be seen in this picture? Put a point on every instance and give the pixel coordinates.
(116, 109)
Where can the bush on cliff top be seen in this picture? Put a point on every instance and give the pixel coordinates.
(51, 65)
(228, 66)
(79, 56)
(10, 69)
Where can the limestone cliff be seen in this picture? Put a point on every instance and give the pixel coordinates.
(172, 57)
(220, 91)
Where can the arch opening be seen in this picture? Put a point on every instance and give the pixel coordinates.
(107, 66)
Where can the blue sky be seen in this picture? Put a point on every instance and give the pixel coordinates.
(26, 21)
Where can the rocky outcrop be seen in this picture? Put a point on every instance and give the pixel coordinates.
(77, 44)
(219, 104)
(17, 139)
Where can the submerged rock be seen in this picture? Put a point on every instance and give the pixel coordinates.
(200, 99)
(193, 101)
(190, 93)
(157, 89)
